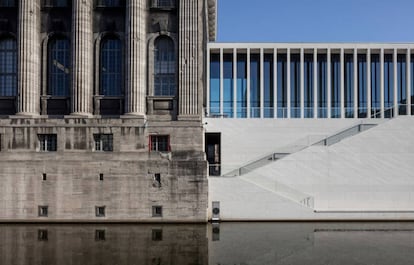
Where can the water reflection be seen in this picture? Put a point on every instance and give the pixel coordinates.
(217, 244)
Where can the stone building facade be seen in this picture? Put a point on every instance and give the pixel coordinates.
(101, 110)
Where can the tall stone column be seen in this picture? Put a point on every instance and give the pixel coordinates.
(82, 57)
(29, 58)
(135, 57)
(190, 58)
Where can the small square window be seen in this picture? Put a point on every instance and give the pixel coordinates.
(156, 211)
(99, 235)
(156, 234)
(47, 142)
(101, 176)
(103, 142)
(160, 143)
(42, 235)
(43, 211)
(100, 211)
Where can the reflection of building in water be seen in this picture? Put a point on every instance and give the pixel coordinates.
(104, 244)
(104, 98)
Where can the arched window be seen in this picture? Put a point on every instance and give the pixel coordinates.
(111, 67)
(59, 67)
(8, 67)
(164, 67)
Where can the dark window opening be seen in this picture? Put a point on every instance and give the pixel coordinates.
(101, 177)
(47, 142)
(44, 176)
(156, 211)
(55, 3)
(111, 65)
(103, 142)
(156, 234)
(109, 3)
(100, 235)
(164, 67)
(59, 67)
(8, 67)
(43, 211)
(163, 4)
(157, 179)
(7, 3)
(212, 149)
(160, 143)
(100, 211)
(42, 235)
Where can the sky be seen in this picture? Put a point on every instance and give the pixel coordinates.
(315, 21)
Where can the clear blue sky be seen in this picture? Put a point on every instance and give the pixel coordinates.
(315, 21)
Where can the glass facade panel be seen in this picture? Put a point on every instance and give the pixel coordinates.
(241, 86)
(322, 86)
(375, 86)
(281, 86)
(362, 86)
(164, 67)
(349, 85)
(308, 86)
(59, 68)
(8, 67)
(401, 84)
(228, 85)
(295, 86)
(412, 82)
(388, 85)
(255, 86)
(268, 86)
(335, 86)
(214, 84)
(111, 67)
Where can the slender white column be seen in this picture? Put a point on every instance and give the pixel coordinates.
(248, 84)
(302, 83)
(395, 83)
(208, 83)
(382, 83)
(234, 83)
(408, 82)
(275, 83)
(356, 103)
(221, 83)
(82, 57)
(328, 94)
(29, 58)
(136, 57)
(342, 87)
(261, 83)
(315, 83)
(288, 83)
(369, 83)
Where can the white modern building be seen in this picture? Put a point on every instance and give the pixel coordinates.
(310, 131)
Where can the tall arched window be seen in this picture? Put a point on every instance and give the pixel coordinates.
(59, 67)
(111, 67)
(8, 67)
(164, 67)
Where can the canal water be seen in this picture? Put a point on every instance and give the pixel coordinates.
(213, 244)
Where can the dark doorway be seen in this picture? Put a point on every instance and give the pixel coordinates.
(213, 151)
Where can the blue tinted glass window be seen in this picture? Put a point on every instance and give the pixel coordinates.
(8, 67)
(268, 86)
(164, 67)
(322, 86)
(349, 85)
(335, 86)
(412, 82)
(281, 86)
(375, 85)
(362, 86)
(228, 85)
(241, 86)
(308, 85)
(295, 85)
(255, 86)
(111, 67)
(59, 67)
(215, 84)
(401, 84)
